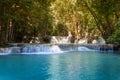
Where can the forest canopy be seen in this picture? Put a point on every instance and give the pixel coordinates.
(44, 18)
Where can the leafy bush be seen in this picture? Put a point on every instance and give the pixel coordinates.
(118, 23)
(115, 38)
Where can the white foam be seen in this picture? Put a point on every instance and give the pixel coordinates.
(85, 49)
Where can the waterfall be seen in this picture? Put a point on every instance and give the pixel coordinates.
(54, 49)
(31, 49)
(10, 50)
(41, 49)
(85, 49)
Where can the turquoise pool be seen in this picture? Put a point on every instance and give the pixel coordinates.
(64, 66)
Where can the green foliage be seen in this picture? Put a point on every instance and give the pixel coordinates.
(58, 17)
(115, 38)
(117, 24)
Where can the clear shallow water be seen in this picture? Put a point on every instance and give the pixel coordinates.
(69, 66)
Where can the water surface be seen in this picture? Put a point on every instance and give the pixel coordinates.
(64, 66)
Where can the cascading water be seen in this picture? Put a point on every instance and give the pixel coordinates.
(53, 48)
(41, 49)
(31, 49)
(84, 49)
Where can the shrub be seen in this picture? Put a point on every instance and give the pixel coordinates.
(115, 37)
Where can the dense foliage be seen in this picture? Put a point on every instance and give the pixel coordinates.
(44, 18)
(115, 37)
